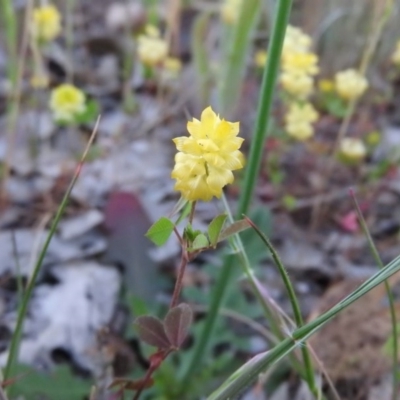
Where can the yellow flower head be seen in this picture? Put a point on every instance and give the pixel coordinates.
(40, 81)
(299, 119)
(396, 55)
(296, 41)
(297, 84)
(173, 65)
(152, 49)
(46, 24)
(206, 159)
(67, 101)
(230, 11)
(352, 149)
(260, 58)
(305, 63)
(326, 85)
(350, 84)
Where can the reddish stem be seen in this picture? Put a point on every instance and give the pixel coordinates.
(179, 279)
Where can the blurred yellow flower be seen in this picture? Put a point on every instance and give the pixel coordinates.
(260, 58)
(171, 69)
(296, 41)
(66, 102)
(206, 159)
(352, 149)
(46, 24)
(299, 119)
(152, 49)
(306, 63)
(326, 85)
(173, 65)
(230, 11)
(297, 84)
(40, 81)
(396, 55)
(350, 84)
(299, 64)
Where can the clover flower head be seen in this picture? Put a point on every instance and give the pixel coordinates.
(66, 102)
(39, 80)
(296, 41)
(306, 63)
(206, 159)
(396, 55)
(230, 11)
(173, 65)
(299, 119)
(297, 84)
(352, 149)
(152, 49)
(326, 85)
(260, 58)
(46, 23)
(350, 84)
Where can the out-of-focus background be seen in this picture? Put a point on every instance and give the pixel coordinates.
(100, 271)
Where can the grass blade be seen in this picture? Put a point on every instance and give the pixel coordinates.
(16, 338)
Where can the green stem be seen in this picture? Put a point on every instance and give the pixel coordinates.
(265, 103)
(295, 307)
(13, 353)
(225, 278)
(389, 294)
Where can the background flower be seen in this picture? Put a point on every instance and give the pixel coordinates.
(46, 24)
(67, 101)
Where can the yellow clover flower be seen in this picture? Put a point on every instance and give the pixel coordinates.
(326, 85)
(260, 58)
(152, 49)
(396, 55)
(46, 24)
(66, 102)
(230, 11)
(352, 149)
(306, 63)
(297, 84)
(206, 159)
(40, 81)
(296, 41)
(299, 119)
(350, 84)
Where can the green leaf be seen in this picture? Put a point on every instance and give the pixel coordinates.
(90, 113)
(215, 227)
(190, 234)
(160, 231)
(200, 242)
(236, 227)
(59, 384)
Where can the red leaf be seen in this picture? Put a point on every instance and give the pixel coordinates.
(177, 324)
(151, 331)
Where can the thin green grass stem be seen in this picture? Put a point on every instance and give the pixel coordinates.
(249, 372)
(224, 282)
(389, 294)
(10, 23)
(265, 104)
(16, 338)
(310, 377)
